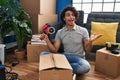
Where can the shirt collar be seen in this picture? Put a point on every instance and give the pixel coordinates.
(74, 28)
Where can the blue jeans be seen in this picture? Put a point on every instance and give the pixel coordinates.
(79, 65)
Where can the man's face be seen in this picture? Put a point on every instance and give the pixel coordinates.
(69, 18)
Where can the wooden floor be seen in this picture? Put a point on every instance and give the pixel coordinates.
(30, 71)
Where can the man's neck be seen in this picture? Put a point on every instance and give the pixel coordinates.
(69, 27)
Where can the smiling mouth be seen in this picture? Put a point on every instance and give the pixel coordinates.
(71, 20)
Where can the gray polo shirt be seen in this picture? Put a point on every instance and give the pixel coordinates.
(72, 40)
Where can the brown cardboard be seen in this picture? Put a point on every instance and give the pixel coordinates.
(33, 9)
(48, 7)
(39, 6)
(34, 50)
(34, 19)
(54, 67)
(107, 63)
(43, 19)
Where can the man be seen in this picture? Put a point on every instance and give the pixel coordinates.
(75, 40)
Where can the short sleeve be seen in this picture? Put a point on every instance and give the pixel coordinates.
(57, 37)
(85, 34)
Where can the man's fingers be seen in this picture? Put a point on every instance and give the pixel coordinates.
(94, 37)
(98, 36)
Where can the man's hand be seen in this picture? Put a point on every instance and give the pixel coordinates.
(94, 37)
(44, 37)
(88, 43)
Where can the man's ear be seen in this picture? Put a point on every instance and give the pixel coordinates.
(64, 19)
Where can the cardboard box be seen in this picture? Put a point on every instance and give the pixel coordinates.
(48, 7)
(43, 19)
(34, 50)
(54, 67)
(39, 6)
(107, 62)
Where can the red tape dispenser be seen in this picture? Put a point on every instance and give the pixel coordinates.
(47, 29)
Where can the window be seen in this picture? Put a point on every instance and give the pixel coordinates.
(96, 6)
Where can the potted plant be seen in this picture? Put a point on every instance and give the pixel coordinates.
(13, 18)
(22, 29)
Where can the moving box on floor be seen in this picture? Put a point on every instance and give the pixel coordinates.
(54, 67)
(107, 62)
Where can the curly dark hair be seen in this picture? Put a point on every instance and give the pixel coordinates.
(68, 8)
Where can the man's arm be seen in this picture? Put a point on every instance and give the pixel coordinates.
(53, 47)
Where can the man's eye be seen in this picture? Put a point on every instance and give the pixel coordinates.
(67, 15)
(73, 15)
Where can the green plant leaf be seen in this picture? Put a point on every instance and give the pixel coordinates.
(3, 2)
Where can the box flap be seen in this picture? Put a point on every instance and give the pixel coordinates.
(60, 61)
(46, 62)
(54, 61)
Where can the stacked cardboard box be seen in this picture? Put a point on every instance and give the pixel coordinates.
(34, 50)
(41, 12)
(54, 67)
